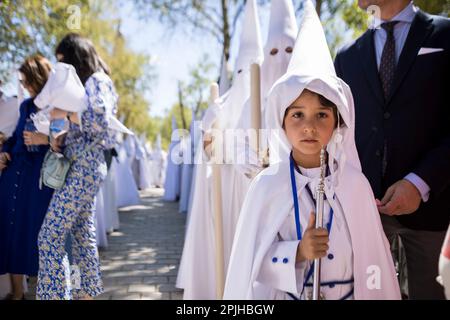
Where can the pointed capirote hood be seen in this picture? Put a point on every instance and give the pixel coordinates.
(250, 51)
(280, 42)
(311, 67)
(282, 21)
(250, 44)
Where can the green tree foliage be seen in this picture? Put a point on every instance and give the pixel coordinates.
(166, 123)
(196, 90)
(212, 17)
(441, 7)
(32, 26)
(193, 99)
(356, 19)
(37, 26)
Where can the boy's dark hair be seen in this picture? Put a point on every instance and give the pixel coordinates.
(80, 53)
(327, 103)
(324, 102)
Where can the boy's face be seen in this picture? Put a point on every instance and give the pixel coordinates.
(308, 124)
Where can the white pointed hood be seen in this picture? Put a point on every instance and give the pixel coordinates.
(250, 45)
(311, 67)
(280, 42)
(250, 51)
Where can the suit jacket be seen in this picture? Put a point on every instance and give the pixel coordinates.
(409, 131)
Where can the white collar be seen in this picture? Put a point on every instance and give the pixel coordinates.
(310, 172)
(406, 15)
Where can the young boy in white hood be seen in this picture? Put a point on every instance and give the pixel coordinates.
(276, 242)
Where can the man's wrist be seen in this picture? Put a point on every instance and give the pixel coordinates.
(421, 186)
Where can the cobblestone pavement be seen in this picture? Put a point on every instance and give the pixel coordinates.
(142, 257)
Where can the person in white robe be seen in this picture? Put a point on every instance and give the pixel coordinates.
(159, 164)
(276, 242)
(277, 54)
(196, 144)
(130, 147)
(138, 162)
(148, 155)
(144, 166)
(99, 222)
(235, 185)
(197, 273)
(187, 146)
(172, 184)
(107, 216)
(127, 193)
(112, 222)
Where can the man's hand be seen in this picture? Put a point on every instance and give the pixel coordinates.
(34, 138)
(4, 158)
(401, 198)
(207, 144)
(314, 243)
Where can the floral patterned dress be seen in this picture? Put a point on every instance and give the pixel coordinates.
(72, 207)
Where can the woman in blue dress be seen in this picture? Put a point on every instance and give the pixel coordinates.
(71, 210)
(22, 203)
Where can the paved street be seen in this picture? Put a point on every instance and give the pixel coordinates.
(141, 261)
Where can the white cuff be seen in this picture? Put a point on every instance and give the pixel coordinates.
(279, 269)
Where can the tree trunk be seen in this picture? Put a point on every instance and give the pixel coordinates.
(180, 103)
(198, 106)
(225, 30)
(318, 7)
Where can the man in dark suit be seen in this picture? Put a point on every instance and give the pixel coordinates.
(399, 73)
